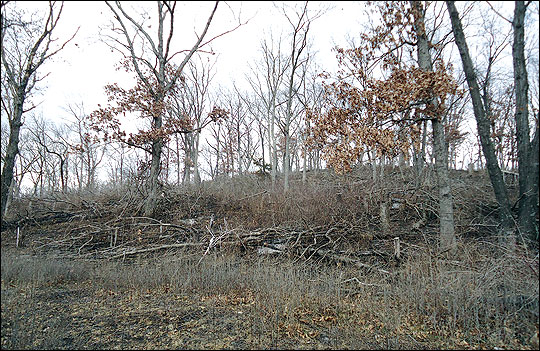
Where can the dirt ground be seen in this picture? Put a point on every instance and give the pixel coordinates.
(84, 315)
(72, 315)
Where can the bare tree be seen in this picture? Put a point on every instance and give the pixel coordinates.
(239, 128)
(26, 46)
(151, 57)
(192, 102)
(258, 117)
(215, 148)
(45, 169)
(266, 83)
(86, 146)
(311, 98)
(528, 155)
(299, 43)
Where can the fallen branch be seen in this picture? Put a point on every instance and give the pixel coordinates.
(345, 259)
(135, 252)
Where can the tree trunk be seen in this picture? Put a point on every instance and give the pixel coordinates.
(288, 117)
(420, 156)
(446, 211)
(261, 135)
(274, 148)
(286, 161)
(12, 148)
(187, 159)
(446, 203)
(155, 168)
(373, 160)
(178, 177)
(528, 174)
(483, 125)
(304, 160)
(195, 158)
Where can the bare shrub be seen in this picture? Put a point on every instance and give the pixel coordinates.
(47, 270)
(480, 291)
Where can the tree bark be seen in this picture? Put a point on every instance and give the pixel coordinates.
(528, 173)
(440, 150)
(12, 148)
(483, 126)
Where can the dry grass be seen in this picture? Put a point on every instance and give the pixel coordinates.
(482, 297)
(474, 299)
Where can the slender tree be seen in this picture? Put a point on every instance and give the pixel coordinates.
(528, 154)
(26, 46)
(266, 82)
(192, 101)
(299, 45)
(446, 203)
(86, 146)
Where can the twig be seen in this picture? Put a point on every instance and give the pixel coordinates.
(83, 245)
(359, 282)
(252, 195)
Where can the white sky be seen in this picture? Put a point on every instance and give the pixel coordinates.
(80, 71)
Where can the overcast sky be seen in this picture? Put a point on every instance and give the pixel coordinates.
(86, 65)
(80, 72)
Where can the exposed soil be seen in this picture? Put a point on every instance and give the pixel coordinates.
(84, 315)
(68, 316)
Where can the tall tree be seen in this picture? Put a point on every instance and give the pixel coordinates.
(274, 65)
(483, 126)
(151, 58)
(385, 115)
(86, 146)
(527, 150)
(311, 98)
(192, 101)
(26, 46)
(299, 43)
(440, 148)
